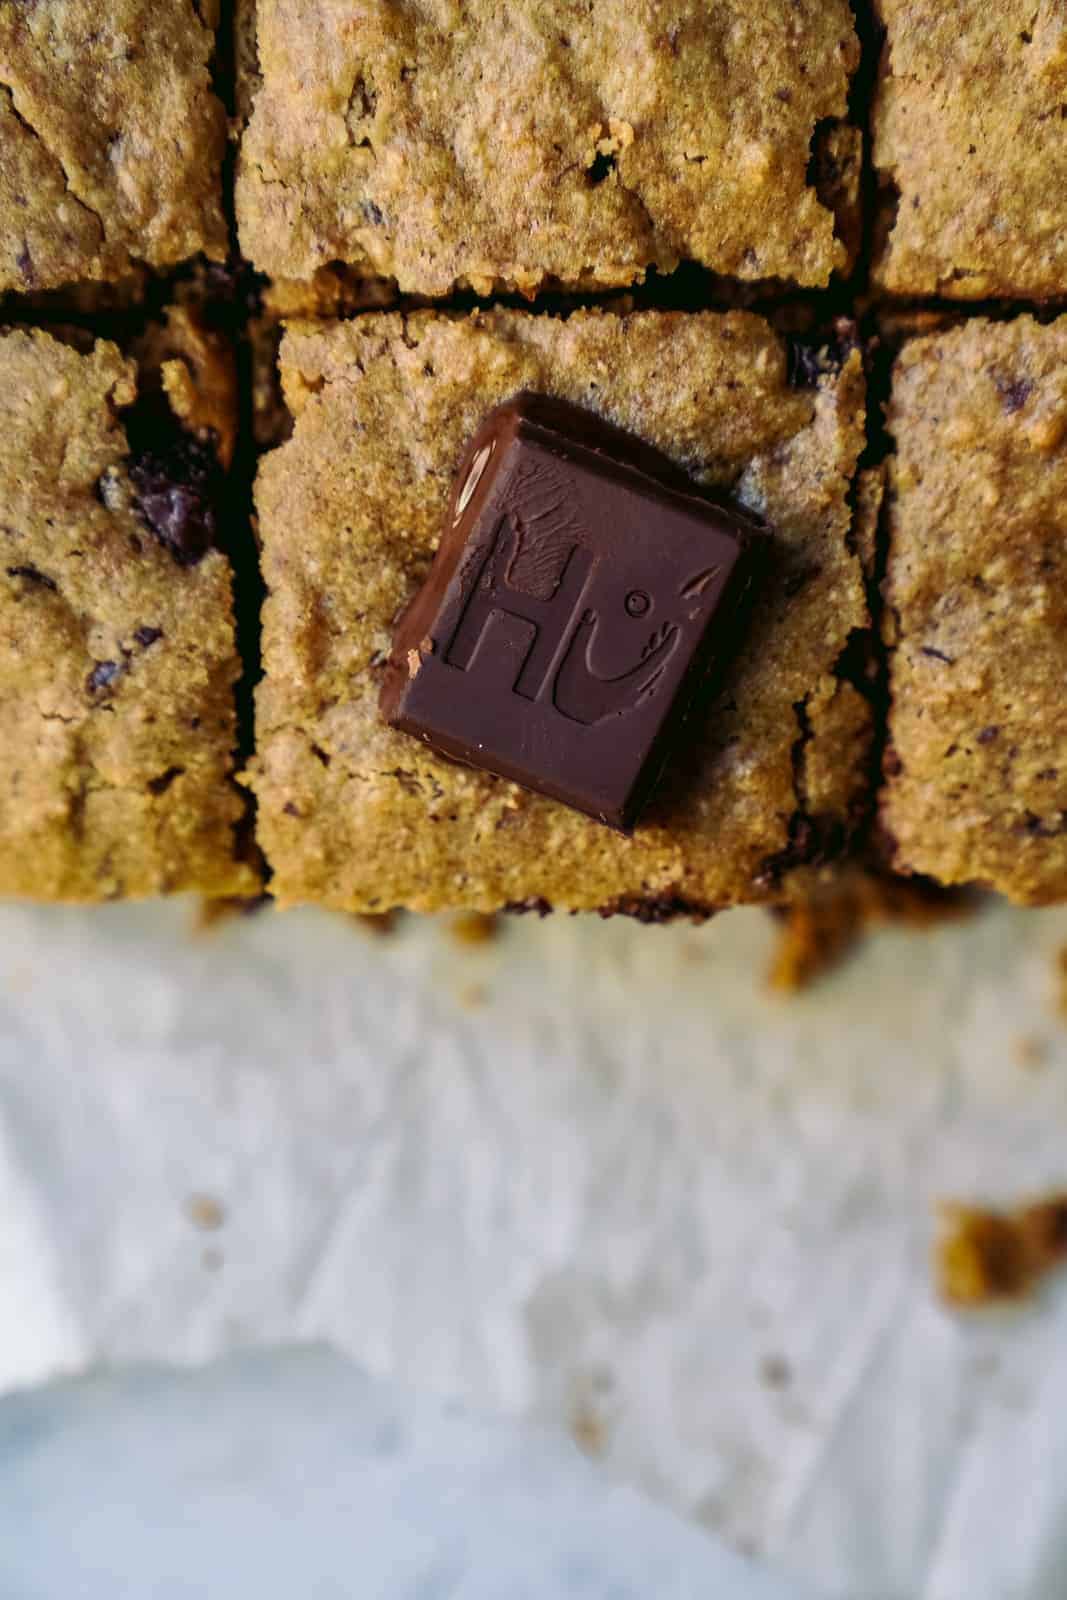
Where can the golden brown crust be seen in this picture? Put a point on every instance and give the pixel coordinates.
(110, 140)
(969, 130)
(976, 597)
(117, 665)
(637, 134)
(359, 816)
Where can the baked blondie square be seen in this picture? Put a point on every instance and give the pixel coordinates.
(359, 816)
(976, 608)
(117, 658)
(970, 147)
(111, 139)
(486, 146)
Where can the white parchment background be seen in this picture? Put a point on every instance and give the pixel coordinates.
(591, 1174)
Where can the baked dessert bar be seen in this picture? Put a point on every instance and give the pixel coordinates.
(117, 657)
(976, 608)
(548, 141)
(111, 139)
(970, 147)
(361, 817)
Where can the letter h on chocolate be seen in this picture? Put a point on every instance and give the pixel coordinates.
(528, 630)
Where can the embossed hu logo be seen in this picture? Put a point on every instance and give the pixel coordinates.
(543, 601)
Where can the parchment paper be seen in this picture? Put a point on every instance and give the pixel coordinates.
(590, 1176)
(288, 1473)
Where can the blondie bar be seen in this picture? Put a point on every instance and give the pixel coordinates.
(117, 658)
(489, 146)
(111, 139)
(976, 608)
(970, 146)
(359, 816)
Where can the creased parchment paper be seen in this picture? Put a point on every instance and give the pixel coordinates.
(590, 1176)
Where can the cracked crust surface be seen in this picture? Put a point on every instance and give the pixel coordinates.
(970, 126)
(637, 134)
(976, 596)
(117, 664)
(110, 139)
(361, 817)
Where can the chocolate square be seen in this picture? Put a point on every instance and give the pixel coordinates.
(582, 593)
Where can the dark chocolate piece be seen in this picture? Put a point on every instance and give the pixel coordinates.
(582, 593)
(103, 674)
(178, 483)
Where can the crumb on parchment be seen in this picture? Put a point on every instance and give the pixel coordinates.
(1061, 983)
(823, 929)
(986, 1255)
(205, 1212)
(474, 928)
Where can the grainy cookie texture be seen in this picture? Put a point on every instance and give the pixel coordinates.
(117, 660)
(351, 507)
(468, 142)
(970, 130)
(976, 597)
(110, 138)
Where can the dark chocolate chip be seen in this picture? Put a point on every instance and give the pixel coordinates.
(33, 575)
(177, 486)
(24, 262)
(987, 735)
(581, 596)
(104, 673)
(1014, 392)
(147, 636)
